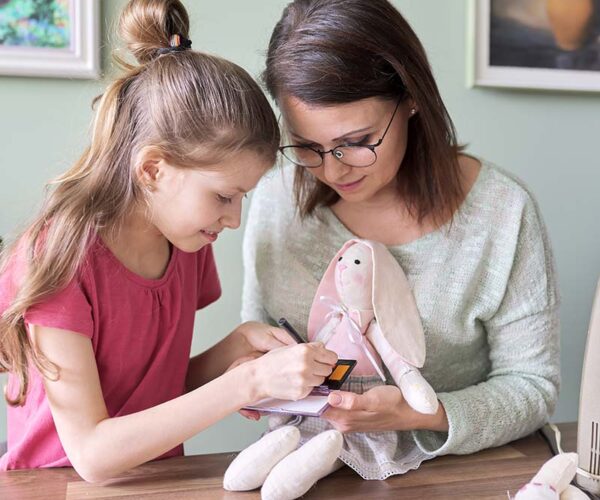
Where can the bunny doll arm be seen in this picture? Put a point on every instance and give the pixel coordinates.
(325, 333)
(415, 389)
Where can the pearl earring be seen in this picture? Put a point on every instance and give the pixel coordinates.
(413, 111)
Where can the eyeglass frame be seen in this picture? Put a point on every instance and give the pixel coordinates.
(332, 151)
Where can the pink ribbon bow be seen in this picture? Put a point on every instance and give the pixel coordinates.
(341, 312)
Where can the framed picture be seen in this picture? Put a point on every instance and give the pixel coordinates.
(51, 38)
(536, 44)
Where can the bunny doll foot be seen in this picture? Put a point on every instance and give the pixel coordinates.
(418, 393)
(296, 473)
(573, 493)
(251, 467)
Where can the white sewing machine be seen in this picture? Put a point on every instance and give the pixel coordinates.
(588, 428)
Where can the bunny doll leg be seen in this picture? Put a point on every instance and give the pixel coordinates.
(415, 389)
(300, 470)
(250, 468)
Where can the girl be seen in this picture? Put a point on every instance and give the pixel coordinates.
(374, 155)
(98, 296)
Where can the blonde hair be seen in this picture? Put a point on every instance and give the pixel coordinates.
(189, 107)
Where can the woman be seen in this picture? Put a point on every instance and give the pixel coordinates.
(374, 155)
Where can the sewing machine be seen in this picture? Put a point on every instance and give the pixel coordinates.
(588, 431)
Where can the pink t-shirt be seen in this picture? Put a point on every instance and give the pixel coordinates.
(141, 332)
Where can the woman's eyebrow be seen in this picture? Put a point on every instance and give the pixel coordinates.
(352, 132)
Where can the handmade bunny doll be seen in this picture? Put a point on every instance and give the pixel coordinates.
(363, 310)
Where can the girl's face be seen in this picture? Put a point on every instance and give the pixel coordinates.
(358, 122)
(190, 207)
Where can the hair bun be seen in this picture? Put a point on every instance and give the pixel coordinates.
(147, 26)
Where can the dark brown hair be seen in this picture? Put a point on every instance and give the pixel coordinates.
(191, 108)
(327, 52)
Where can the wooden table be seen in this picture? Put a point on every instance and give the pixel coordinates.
(484, 475)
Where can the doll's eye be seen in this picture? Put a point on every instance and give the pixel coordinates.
(357, 262)
(339, 259)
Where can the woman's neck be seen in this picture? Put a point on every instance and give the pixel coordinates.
(385, 217)
(139, 246)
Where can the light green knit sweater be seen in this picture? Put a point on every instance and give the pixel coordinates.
(485, 288)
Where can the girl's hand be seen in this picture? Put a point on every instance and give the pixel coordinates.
(382, 408)
(292, 371)
(261, 337)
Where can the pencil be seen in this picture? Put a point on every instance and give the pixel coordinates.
(290, 329)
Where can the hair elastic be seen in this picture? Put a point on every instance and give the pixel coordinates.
(177, 43)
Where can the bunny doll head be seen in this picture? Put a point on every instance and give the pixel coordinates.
(354, 277)
(364, 275)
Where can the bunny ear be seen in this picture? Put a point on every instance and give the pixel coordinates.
(395, 307)
(326, 288)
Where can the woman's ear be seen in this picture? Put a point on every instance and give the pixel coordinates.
(412, 107)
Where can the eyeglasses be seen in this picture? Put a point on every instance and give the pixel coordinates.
(353, 155)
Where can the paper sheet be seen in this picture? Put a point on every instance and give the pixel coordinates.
(311, 405)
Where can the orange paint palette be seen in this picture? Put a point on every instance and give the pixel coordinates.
(341, 371)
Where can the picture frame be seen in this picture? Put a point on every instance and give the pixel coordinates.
(50, 38)
(524, 52)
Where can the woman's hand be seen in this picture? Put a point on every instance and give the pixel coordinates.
(262, 338)
(290, 372)
(379, 409)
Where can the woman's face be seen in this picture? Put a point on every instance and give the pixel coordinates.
(359, 122)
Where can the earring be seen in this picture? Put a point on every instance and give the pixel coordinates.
(413, 111)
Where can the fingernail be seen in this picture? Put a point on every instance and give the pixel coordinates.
(335, 399)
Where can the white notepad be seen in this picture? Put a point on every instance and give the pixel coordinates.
(310, 406)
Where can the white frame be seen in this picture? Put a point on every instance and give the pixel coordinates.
(82, 60)
(480, 72)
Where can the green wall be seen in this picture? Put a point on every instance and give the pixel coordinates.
(549, 139)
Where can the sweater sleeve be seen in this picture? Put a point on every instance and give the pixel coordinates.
(521, 389)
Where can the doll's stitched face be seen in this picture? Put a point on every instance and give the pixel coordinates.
(354, 277)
